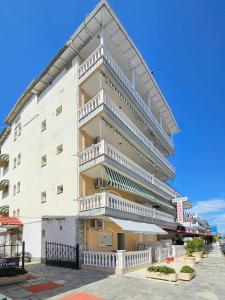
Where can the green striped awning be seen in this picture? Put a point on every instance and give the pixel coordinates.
(4, 210)
(4, 184)
(121, 182)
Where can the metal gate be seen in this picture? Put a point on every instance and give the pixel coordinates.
(62, 255)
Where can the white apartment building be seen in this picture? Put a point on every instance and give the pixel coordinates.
(86, 147)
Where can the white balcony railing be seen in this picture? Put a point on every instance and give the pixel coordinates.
(119, 261)
(103, 98)
(105, 149)
(108, 200)
(93, 61)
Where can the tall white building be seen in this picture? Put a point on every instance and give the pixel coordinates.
(84, 155)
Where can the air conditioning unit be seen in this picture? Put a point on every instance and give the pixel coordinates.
(101, 184)
(96, 223)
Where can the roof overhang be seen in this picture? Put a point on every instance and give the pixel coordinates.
(138, 227)
(101, 17)
(4, 134)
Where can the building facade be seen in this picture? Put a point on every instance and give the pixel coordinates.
(84, 157)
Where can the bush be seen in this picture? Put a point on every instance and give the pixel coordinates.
(161, 269)
(195, 245)
(9, 272)
(187, 269)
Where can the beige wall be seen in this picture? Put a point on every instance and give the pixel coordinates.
(131, 239)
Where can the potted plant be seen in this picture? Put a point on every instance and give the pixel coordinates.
(186, 273)
(162, 272)
(189, 259)
(205, 253)
(198, 245)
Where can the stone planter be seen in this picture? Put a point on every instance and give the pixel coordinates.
(189, 261)
(197, 256)
(162, 276)
(186, 276)
(204, 255)
(13, 279)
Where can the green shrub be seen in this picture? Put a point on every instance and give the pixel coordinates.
(187, 269)
(161, 269)
(195, 245)
(9, 272)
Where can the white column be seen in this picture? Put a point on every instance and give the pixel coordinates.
(101, 35)
(120, 263)
(161, 119)
(133, 78)
(149, 102)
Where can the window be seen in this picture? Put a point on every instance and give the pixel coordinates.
(43, 197)
(59, 189)
(19, 159)
(14, 213)
(14, 163)
(59, 149)
(18, 212)
(18, 187)
(58, 110)
(19, 129)
(43, 125)
(15, 134)
(43, 160)
(14, 190)
(43, 233)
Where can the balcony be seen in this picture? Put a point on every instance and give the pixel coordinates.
(4, 160)
(102, 102)
(104, 153)
(111, 205)
(102, 56)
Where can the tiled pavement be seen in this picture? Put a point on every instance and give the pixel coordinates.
(89, 285)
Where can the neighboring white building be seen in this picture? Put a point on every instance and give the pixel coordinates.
(94, 121)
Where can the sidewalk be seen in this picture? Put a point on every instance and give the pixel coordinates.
(65, 284)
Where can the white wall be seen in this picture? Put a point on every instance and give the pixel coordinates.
(54, 233)
(32, 238)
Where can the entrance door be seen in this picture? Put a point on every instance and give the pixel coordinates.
(121, 241)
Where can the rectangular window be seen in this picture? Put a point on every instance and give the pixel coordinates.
(43, 197)
(43, 160)
(43, 125)
(18, 187)
(19, 159)
(18, 212)
(60, 189)
(14, 213)
(14, 163)
(15, 134)
(59, 149)
(43, 233)
(14, 190)
(19, 129)
(58, 110)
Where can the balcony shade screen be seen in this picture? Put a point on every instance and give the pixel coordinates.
(4, 210)
(131, 226)
(121, 182)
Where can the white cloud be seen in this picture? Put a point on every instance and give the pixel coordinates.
(209, 206)
(213, 210)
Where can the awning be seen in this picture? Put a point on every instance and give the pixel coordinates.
(131, 226)
(121, 182)
(4, 220)
(4, 184)
(4, 210)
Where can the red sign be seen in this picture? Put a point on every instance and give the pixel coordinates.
(180, 212)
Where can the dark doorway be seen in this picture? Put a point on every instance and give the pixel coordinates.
(121, 241)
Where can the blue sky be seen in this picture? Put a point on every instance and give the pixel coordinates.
(181, 40)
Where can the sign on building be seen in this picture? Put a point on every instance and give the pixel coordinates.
(180, 211)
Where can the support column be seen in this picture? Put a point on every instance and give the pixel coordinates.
(120, 262)
(149, 102)
(133, 78)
